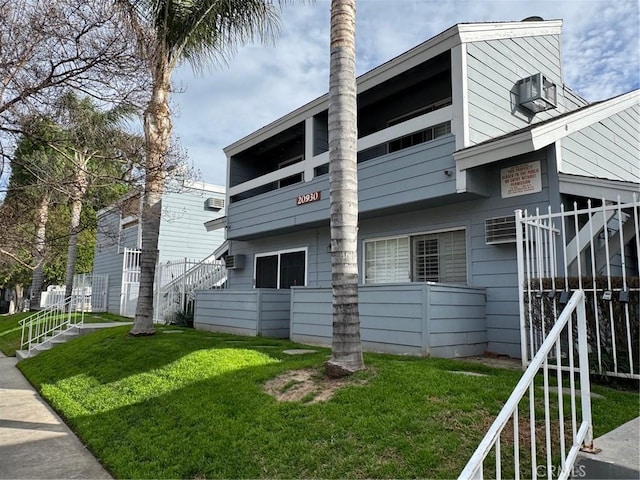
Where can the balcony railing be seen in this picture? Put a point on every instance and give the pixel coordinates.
(307, 166)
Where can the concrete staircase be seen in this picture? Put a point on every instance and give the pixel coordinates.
(72, 332)
(619, 458)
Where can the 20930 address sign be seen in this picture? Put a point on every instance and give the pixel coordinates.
(307, 198)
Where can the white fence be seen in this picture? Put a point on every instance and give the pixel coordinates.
(535, 437)
(175, 285)
(89, 293)
(595, 249)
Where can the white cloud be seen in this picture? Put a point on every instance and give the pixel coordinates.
(600, 53)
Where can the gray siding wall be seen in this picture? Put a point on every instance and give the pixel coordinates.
(607, 149)
(414, 318)
(493, 267)
(107, 260)
(494, 67)
(255, 312)
(399, 178)
(457, 321)
(182, 231)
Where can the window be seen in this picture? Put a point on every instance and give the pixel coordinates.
(387, 260)
(417, 138)
(434, 257)
(440, 257)
(281, 269)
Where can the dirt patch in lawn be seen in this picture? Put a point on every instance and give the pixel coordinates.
(307, 385)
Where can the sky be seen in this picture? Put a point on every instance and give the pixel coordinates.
(213, 109)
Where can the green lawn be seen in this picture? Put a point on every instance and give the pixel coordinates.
(11, 331)
(192, 405)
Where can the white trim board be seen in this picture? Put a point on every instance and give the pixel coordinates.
(599, 188)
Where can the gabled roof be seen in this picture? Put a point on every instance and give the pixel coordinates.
(542, 134)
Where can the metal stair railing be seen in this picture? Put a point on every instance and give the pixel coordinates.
(49, 323)
(179, 293)
(569, 430)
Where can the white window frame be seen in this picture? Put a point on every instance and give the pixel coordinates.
(278, 253)
(411, 252)
(380, 239)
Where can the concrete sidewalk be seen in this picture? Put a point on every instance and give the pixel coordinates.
(34, 442)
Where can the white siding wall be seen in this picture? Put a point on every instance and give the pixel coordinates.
(182, 231)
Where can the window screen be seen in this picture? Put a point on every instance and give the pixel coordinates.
(440, 257)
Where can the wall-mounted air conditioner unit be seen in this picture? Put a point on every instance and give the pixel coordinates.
(500, 230)
(234, 262)
(215, 203)
(536, 93)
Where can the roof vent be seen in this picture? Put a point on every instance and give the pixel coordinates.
(534, 18)
(215, 203)
(536, 93)
(500, 230)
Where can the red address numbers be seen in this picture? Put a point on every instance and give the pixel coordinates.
(307, 198)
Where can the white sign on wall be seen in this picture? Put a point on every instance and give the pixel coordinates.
(521, 179)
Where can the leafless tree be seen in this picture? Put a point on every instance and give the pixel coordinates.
(49, 47)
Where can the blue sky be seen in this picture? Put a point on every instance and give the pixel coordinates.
(600, 47)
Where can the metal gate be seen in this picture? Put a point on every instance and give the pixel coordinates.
(595, 249)
(130, 282)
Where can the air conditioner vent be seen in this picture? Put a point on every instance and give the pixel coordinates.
(234, 262)
(500, 230)
(537, 93)
(215, 203)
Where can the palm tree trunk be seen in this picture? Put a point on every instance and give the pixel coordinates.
(80, 185)
(157, 131)
(42, 215)
(346, 355)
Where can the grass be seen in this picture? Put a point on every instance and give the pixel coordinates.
(191, 405)
(11, 331)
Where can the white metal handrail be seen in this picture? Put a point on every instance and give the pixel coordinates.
(177, 293)
(582, 435)
(49, 323)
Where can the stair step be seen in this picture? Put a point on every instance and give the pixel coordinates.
(22, 354)
(619, 458)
